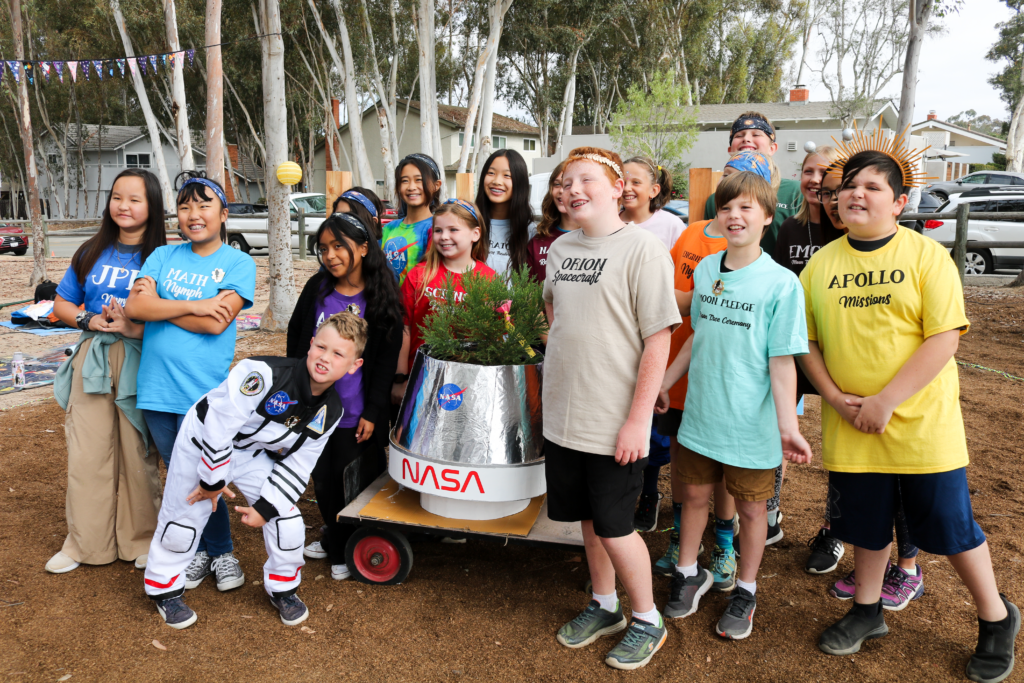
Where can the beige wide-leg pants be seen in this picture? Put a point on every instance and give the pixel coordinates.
(113, 496)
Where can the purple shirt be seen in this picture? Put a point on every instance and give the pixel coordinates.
(349, 387)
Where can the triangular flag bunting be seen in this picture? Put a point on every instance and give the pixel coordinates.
(152, 61)
(46, 70)
(191, 54)
(73, 69)
(28, 72)
(172, 57)
(59, 66)
(85, 69)
(163, 58)
(131, 66)
(142, 64)
(98, 65)
(108, 66)
(13, 66)
(120, 65)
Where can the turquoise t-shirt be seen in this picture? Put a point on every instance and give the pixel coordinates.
(740, 319)
(405, 245)
(179, 366)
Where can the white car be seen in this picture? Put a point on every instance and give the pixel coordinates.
(310, 202)
(982, 261)
(538, 188)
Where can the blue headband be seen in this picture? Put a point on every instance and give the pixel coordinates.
(208, 183)
(353, 221)
(755, 162)
(428, 161)
(465, 205)
(352, 194)
(752, 123)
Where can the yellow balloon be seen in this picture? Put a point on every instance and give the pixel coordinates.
(289, 173)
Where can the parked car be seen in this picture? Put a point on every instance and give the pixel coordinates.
(928, 204)
(13, 240)
(390, 214)
(981, 261)
(538, 188)
(679, 207)
(311, 202)
(975, 181)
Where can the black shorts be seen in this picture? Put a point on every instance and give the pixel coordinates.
(668, 424)
(583, 486)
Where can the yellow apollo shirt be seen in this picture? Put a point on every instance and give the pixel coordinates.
(869, 312)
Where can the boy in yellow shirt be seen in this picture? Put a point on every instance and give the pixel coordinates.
(885, 312)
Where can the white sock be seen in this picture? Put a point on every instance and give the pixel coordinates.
(773, 517)
(609, 602)
(749, 587)
(687, 572)
(652, 617)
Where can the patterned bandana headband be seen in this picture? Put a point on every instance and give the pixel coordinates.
(352, 221)
(894, 147)
(428, 161)
(465, 205)
(755, 162)
(599, 159)
(208, 183)
(352, 194)
(751, 123)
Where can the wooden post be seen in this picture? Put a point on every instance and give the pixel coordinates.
(960, 246)
(464, 186)
(302, 234)
(337, 183)
(703, 182)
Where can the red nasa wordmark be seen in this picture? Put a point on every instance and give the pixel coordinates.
(448, 476)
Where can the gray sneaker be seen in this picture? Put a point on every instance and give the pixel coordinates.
(176, 613)
(639, 644)
(685, 593)
(293, 610)
(591, 624)
(738, 619)
(228, 571)
(197, 570)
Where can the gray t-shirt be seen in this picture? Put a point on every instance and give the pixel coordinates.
(499, 257)
(608, 295)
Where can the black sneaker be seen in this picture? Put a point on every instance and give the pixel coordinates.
(738, 619)
(176, 613)
(826, 551)
(293, 610)
(862, 622)
(992, 661)
(774, 530)
(646, 516)
(685, 593)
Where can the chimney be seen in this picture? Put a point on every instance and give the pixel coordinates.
(932, 116)
(799, 95)
(336, 110)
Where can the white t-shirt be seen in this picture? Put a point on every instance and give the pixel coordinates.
(499, 257)
(666, 226)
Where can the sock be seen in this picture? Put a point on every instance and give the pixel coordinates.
(723, 534)
(872, 610)
(773, 517)
(749, 587)
(652, 617)
(687, 571)
(609, 602)
(651, 473)
(677, 521)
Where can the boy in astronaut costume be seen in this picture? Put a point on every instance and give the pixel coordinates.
(263, 429)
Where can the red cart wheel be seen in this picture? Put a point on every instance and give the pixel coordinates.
(379, 556)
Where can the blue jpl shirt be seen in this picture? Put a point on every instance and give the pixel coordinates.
(179, 366)
(111, 277)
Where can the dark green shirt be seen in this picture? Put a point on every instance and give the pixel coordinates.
(788, 200)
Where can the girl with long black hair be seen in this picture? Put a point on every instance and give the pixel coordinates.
(355, 277)
(503, 197)
(113, 494)
(418, 185)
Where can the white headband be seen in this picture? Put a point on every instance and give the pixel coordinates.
(601, 160)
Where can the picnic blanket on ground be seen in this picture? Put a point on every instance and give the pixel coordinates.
(39, 370)
(39, 332)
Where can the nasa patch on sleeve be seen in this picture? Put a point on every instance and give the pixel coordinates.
(278, 403)
(317, 423)
(252, 384)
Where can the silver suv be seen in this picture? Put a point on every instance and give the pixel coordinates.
(981, 261)
(975, 181)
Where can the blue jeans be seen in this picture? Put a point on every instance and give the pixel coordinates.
(163, 428)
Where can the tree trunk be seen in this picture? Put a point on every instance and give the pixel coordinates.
(147, 110)
(179, 107)
(1015, 137)
(275, 124)
(484, 145)
(214, 95)
(920, 14)
(568, 102)
(32, 180)
(496, 17)
(386, 113)
(430, 126)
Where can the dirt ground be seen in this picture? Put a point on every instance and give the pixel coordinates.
(484, 612)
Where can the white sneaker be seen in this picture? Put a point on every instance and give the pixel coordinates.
(61, 564)
(140, 561)
(315, 551)
(340, 572)
(228, 572)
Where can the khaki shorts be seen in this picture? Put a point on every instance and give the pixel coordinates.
(744, 484)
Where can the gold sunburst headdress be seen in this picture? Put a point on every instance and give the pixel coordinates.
(894, 147)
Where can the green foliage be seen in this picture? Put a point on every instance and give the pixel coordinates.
(655, 123)
(998, 164)
(980, 123)
(1008, 50)
(474, 330)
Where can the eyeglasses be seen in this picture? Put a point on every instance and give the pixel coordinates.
(828, 196)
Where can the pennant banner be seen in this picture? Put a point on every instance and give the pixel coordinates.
(98, 65)
(142, 64)
(152, 61)
(13, 66)
(73, 70)
(120, 65)
(59, 66)
(191, 54)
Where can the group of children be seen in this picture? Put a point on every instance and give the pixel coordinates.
(716, 329)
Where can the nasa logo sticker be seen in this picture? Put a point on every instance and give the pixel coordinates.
(252, 384)
(395, 250)
(278, 403)
(449, 397)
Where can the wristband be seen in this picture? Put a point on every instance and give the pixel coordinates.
(83, 319)
(401, 378)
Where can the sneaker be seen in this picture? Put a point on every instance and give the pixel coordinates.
(315, 551)
(900, 587)
(141, 560)
(666, 564)
(61, 564)
(775, 531)
(636, 648)
(723, 570)
(340, 572)
(738, 620)
(176, 613)
(591, 624)
(826, 551)
(847, 635)
(198, 570)
(685, 593)
(293, 610)
(228, 571)
(646, 516)
(844, 588)
(992, 661)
